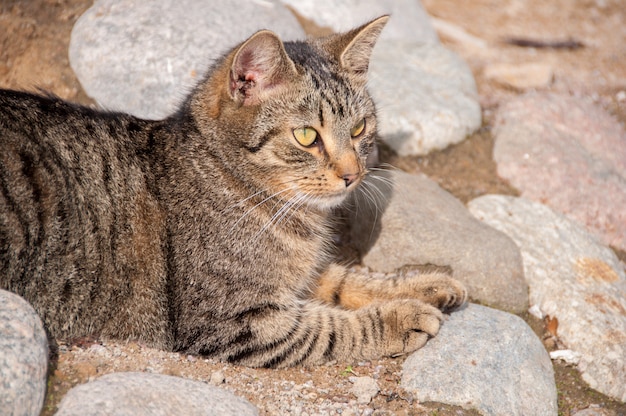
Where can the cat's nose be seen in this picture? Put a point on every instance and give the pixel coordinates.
(349, 178)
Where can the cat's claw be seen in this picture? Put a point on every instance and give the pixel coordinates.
(408, 325)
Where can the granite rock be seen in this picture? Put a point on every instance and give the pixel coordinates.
(484, 359)
(143, 57)
(569, 154)
(425, 94)
(406, 220)
(23, 357)
(573, 278)
(364, 389)
(146, 394)
(409, 19)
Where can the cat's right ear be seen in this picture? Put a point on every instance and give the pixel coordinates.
(260, 67)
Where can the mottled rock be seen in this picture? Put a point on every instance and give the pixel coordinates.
(409, 19)
(217, 378)
(487, 360)
(409, 220)
(425, 94)
(571, 277)
(23, 357)
(364, 388)
(143, 57)
(145, 394)
(569, 154)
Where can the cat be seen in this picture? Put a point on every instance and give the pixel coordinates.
(209, 232)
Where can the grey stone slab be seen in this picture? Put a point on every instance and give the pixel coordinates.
(568, 153)
(409, 20)
(401, 220)
(146, 394)
(425, 94)
(143, 57)
(23, 357)
(486, 360)
(572, 277)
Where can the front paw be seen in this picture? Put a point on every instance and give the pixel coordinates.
(440, 291)
(408, 324)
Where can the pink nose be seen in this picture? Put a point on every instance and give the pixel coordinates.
(350, 178)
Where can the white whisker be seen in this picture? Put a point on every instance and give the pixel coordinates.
(245, 214)
(280, 213)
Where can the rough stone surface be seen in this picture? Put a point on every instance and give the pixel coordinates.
(23, 357)
(364, 388)
(409, 19)
(569, 154)
(415, 222)
(571, 277)
(425, 94)
(479, 347)
(143, 57)
(145, 394)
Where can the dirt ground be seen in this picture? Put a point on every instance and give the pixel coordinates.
(34, 39)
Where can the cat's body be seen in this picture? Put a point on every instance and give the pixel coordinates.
(208, 232)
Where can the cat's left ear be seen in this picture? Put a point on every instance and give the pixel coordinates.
(260, 66)
(354, 48)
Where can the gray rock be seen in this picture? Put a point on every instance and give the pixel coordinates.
(409, 20)
(484, 359)
(569, 154)
(425, 94)
(138, 394)
(23, 357)
(364, 388)
(572, 277)
(415, 222)
(142, 57)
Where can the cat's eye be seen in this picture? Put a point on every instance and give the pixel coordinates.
(306, 136)
(358, 129)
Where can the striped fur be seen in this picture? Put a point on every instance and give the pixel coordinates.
(209, 232)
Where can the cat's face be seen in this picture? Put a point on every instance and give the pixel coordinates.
(301, 113)
(318, 140)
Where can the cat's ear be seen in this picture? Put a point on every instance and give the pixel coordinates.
(260, 66)
(354, 48)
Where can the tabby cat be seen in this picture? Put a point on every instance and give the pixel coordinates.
(209, 232)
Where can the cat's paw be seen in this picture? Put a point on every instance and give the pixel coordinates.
(440, 291)
(408, 324)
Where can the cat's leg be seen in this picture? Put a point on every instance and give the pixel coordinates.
(315, 333)
(338, 286)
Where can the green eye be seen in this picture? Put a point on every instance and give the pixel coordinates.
(358, 129)
(306, 136)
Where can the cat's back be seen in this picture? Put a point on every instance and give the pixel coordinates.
(76, 212)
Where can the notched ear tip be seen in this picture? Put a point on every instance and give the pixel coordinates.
(259, 65)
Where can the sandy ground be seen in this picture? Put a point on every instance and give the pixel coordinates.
(587, 59)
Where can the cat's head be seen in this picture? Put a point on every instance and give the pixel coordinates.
(294, 117)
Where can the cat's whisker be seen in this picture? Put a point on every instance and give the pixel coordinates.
(375, 197)
(381, 178)
(264, 190)
(302, 202)
(384, 167)
(374, 187)
(370, 197)
(280, 213)
(245, 214)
